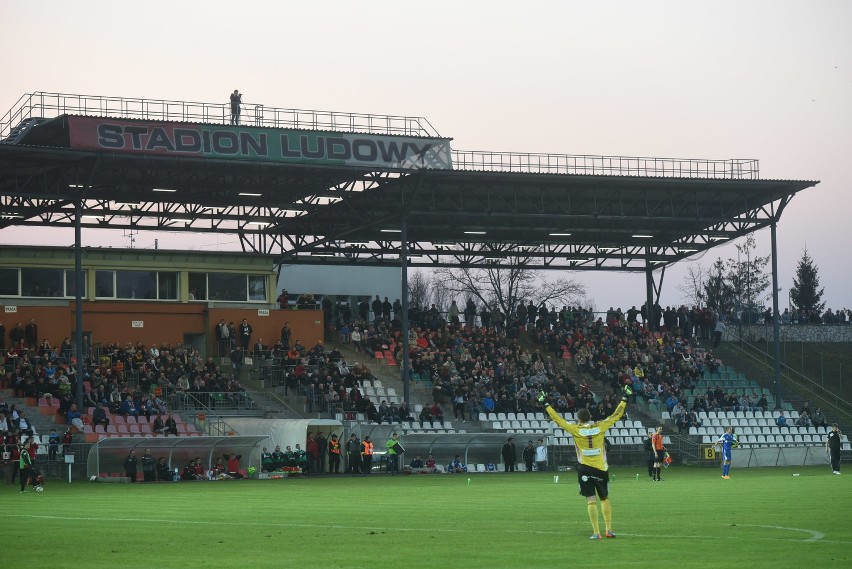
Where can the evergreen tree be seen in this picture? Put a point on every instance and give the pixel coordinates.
(717, 291)
(749, 281)
(806, 293)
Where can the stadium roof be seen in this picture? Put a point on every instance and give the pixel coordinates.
(535, 210)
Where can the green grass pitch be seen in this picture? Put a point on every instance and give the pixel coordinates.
(760, 518)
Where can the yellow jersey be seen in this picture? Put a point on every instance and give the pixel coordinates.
(589, 437)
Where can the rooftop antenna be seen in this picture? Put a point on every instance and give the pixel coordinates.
(131, 234)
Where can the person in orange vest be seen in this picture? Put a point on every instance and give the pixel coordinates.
(366, 455)
(333, 455)
(659, 452)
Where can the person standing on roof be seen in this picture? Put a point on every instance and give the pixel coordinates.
(236, 101)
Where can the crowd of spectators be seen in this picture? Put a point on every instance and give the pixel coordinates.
(476, 364)
(131, 380)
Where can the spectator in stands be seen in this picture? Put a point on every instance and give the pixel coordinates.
(170, 426)
(818, 418)
(74, 418)
(405, 413)
(245, 332)
(426, 415)
(509, 455)
(781, 421)
(804, 420)
(283, 299)
(24, 426)
(130, 466)
(159, 426)
(487, 402)
(437, 414)
(459, 401)
(384, 413)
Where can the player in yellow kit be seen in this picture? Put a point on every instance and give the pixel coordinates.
(593, 470)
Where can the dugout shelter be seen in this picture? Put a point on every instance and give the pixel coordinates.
(107, 455)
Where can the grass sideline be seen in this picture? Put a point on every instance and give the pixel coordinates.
(760, 518)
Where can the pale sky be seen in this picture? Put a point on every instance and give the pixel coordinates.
(770, 80)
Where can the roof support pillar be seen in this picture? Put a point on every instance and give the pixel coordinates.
(776, 317)
(403, 258)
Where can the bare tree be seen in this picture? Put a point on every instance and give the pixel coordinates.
(693, 285)
(506, 287)
(418, 290)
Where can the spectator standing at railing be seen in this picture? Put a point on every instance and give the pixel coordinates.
(31, 334)
(245, 332)
(283, 299)
(236, 103)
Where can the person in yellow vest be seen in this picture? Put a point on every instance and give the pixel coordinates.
(367, 455)
(593, 471)
(394, 450)
(333, 455)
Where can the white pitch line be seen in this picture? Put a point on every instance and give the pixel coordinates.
(815, 535)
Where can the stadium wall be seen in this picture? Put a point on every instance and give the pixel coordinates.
(792, 333)
(158, 323)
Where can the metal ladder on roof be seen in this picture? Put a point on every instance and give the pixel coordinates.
(20, 131)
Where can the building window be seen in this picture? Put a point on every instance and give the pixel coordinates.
(105, 284)
(257, 288)
(42, 282)
(167, 286)
(71, 284)
(136, 285)
(227, 286)
(9, 282)
(197, 286)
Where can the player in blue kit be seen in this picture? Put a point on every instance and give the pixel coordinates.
(727, 442)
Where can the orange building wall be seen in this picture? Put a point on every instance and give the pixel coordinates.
(162, 322)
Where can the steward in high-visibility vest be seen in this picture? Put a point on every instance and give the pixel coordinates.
(334, 455)
(366, 455)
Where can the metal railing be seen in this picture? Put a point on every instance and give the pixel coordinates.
(591, 165)
(42, 104)
(805, 385)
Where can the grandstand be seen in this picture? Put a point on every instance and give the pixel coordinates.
(323, 188)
